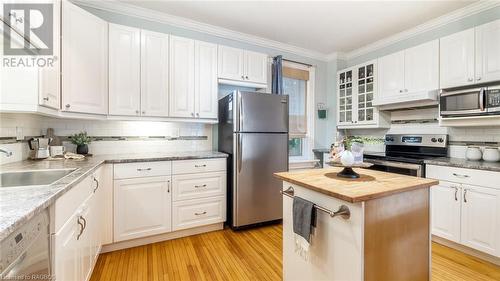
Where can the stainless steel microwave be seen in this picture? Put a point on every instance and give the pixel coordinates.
(470, 102)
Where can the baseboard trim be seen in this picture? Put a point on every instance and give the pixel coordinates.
(467, 250)
(160, 237)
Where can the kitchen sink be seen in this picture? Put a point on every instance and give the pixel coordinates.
(35, 177)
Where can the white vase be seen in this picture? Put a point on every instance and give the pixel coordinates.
(473, 153)
(347, 159)
(491, 154)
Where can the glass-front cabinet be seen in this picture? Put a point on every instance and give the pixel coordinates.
(356, 88)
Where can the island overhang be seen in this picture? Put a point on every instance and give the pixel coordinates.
(372, 184)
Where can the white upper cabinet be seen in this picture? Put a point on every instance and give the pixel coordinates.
(206, 104)
(457, 59)
(391, 74)
(124, 70)
(422, 68)
(481, 219)
(231, 63)
(255, 67)
(182, 78)
(241, 67)
(154, 73)
(488, 52)
(49, 94)
(85, 61)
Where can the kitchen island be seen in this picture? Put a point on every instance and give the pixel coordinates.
(372, 228)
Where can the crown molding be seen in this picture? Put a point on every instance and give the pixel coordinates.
(453, 16)
(151, 15)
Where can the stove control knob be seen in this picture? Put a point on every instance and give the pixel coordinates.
(389, 139)
(440, 140)
(433, 139)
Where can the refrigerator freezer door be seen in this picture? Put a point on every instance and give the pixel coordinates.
(256, 194)
(261, 113)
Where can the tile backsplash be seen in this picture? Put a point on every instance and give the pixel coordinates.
(27, 125)
(459, 137)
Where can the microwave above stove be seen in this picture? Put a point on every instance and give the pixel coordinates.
(470, 102)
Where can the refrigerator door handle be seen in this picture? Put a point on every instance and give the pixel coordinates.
(240, 113)
(239, 156)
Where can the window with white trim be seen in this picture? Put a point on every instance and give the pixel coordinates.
(299, 86)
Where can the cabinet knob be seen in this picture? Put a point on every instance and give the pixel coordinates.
(242, 77)
(197, 114)
(144, 112)
(68, 105)
(137, 112)
(246, 77)
(192, 113)
(46, 98)
(478, 78)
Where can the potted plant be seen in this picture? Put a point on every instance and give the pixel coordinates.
(81, 140)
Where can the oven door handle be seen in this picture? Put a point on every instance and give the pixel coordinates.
(394, 164)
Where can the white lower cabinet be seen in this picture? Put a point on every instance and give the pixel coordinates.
(464, 213)
(481, 219)
(198, 212)
(78, 240)
(446, 198)
(142, 207)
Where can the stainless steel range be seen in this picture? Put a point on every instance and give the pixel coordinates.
(405, 154)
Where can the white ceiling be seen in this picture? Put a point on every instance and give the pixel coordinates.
(322, 26)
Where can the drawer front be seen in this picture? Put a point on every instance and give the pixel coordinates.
(193, 186)
(198, 212)
(67, 204)
(464, 176)
(142, 169)
(198, 166)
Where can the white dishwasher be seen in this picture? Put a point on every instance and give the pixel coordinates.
(24, 254)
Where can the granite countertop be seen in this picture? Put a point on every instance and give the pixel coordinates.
(19, 204)
(372, 184)
(464, 163)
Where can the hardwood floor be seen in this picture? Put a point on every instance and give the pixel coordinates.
(247, 255)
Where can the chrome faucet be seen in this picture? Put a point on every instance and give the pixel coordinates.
(6, 152)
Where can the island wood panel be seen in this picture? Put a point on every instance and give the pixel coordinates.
(207, 257)
(397, 237)
(374, 184)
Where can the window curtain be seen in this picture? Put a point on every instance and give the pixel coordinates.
(277, 81)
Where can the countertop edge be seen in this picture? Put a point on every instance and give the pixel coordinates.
(350, 199)
(465, 164)
(9, 229)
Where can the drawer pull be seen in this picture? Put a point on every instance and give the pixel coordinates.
(456, 193)
(145, 169)
(200, 186)
(199, 214)
(465, 195)
(200, 166)
(460, 176)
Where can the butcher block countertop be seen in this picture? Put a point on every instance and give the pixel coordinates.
(371, 185)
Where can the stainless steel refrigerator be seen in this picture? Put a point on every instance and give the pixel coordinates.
(253, 130)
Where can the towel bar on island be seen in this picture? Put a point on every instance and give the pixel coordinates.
(343, 210)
